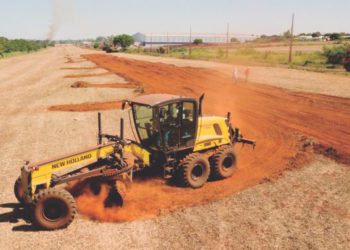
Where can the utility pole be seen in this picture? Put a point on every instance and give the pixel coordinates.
(227, 39)
(190, 49)
(167, 41)
(291, 41)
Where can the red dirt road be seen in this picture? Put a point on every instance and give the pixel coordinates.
(274, 117)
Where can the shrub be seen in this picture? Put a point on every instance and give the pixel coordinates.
(347, 61)
(123, 41)
(161, 50)
(3, 44)
(335, 55)
(334, 36)
(198, 41)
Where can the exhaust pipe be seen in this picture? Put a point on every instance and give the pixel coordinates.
(200, 104)
(121, 128)
(99, 136)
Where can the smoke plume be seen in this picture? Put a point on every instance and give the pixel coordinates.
(61, 11)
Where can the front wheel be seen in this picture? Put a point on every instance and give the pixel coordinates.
(54, 209)
(194, 170)
(224, 162)
(18, 190)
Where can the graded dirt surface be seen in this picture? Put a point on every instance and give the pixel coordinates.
(299, 209)
(268, 114)
(291, 79)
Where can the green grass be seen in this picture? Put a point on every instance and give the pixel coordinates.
(241, 55)
(250, 56)
(11, 54)
(313, 61)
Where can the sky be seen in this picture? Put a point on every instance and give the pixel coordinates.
(76, 19)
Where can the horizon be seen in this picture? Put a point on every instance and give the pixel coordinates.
(79, 20)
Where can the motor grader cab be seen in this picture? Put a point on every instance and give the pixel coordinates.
(170, 127)
(170, 133)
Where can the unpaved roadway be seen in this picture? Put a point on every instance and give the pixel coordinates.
(292, 79)
(300, 209)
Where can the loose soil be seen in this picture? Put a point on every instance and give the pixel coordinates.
(86, 106)
(88, 75)
(78, 68)
(274, 117)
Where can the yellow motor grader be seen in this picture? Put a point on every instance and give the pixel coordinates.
(171, 134)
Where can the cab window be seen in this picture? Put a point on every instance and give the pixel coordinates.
(143, 116)
(188, 124)
(169, 120)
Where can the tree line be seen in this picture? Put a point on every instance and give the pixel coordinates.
(21, 45)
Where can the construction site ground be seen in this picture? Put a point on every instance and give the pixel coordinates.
(292, 191)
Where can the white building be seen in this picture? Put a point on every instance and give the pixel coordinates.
(185, 38)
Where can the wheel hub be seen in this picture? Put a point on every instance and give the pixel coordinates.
(54, 209)
(228, 162)
(197, 172)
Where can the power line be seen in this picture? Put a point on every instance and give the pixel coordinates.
(190, 49)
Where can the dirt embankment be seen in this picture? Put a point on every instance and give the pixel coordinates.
(86, 106)
(78, 68)
(88, 75)
(274, 117)
(82, 84)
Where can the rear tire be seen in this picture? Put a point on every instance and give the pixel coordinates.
(53, 209)
(223, 162)
(18, 190)
(194, 170)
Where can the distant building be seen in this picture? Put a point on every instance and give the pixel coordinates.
(161, 39)
(311, 38)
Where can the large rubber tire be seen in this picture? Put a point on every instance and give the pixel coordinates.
(223, 162)
(18, 190)
(194, 170)
(53, 209)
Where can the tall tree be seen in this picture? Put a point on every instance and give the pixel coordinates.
(123, 41)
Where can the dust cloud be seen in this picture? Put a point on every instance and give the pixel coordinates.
(61, 11)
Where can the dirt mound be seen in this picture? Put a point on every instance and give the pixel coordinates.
(82, 107)
(70, 60)
(82, 84)
(78, 68)
(88, 75)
